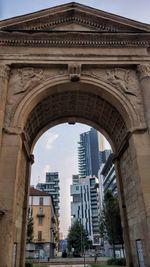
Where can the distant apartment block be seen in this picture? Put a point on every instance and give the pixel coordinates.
(51, 186)
(84, 206)
(45, 228)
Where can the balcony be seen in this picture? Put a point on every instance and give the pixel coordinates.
(40, 214)
(39, 241)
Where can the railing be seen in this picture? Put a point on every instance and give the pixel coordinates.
(40, 214)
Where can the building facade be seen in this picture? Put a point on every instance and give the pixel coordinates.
(109, 176)
(88, 154)
(107, 181)
(84, 206)
(51, 186)
(45, 230)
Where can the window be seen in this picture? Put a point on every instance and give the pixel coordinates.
(40, 211)
(39, 235)
(41, 201)
(40, 219)
(92, 182)
(76, 198)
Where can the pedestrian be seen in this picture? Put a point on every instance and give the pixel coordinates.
(95, 257)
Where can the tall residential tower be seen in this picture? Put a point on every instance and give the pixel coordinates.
(88, 154)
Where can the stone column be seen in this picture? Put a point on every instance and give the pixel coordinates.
(25, 210)
(123, 213)
(4, 76)
(144, 75)
(10, 172)
(141, 172)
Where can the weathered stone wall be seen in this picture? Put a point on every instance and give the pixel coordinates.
(20, 205)
(134, 195)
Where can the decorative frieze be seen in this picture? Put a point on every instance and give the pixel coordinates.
(73, 39)
(144, 71)
(72, 16)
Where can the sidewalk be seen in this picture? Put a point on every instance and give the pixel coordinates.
(81, 265)
(74, 261)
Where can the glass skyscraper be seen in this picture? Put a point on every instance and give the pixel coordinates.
(88, 154)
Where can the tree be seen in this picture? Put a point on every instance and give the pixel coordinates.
(77, 238)
(110, 221)
(29, 226)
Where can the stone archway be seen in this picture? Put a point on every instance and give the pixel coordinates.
(72, 63)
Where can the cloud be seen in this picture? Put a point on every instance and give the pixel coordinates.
(51, 139)
(46, 168)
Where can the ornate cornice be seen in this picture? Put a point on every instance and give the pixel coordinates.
(4, 71)
(74, 39)
(52, 21)
(144, 71)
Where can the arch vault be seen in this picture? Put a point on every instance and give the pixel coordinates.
(73, 63)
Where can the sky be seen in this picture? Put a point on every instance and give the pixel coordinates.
(56, 150)
(134, 9)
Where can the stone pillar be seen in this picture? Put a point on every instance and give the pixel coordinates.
(132, 168)
(141, 174)
(123, 213)
(10, 171)
(144, 75)
(4, 76)
(25, 210)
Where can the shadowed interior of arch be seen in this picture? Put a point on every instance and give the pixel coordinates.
(78, 105)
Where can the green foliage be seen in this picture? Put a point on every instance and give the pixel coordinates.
(28, 264)
(110, 221)
(77, 238)
(29, 227)
(118, 262)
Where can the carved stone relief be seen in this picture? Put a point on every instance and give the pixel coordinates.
(144, 71)
(23, 80)
(124, 80)
(4, 71)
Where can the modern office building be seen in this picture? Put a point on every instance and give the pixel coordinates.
(51, 186)
(103, 156)
(88, 154)
(84, 206)
(45, 228)
(103, 152)
(109, 176)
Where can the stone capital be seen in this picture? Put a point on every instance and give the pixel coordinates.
(4, 71)
(144, 71)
